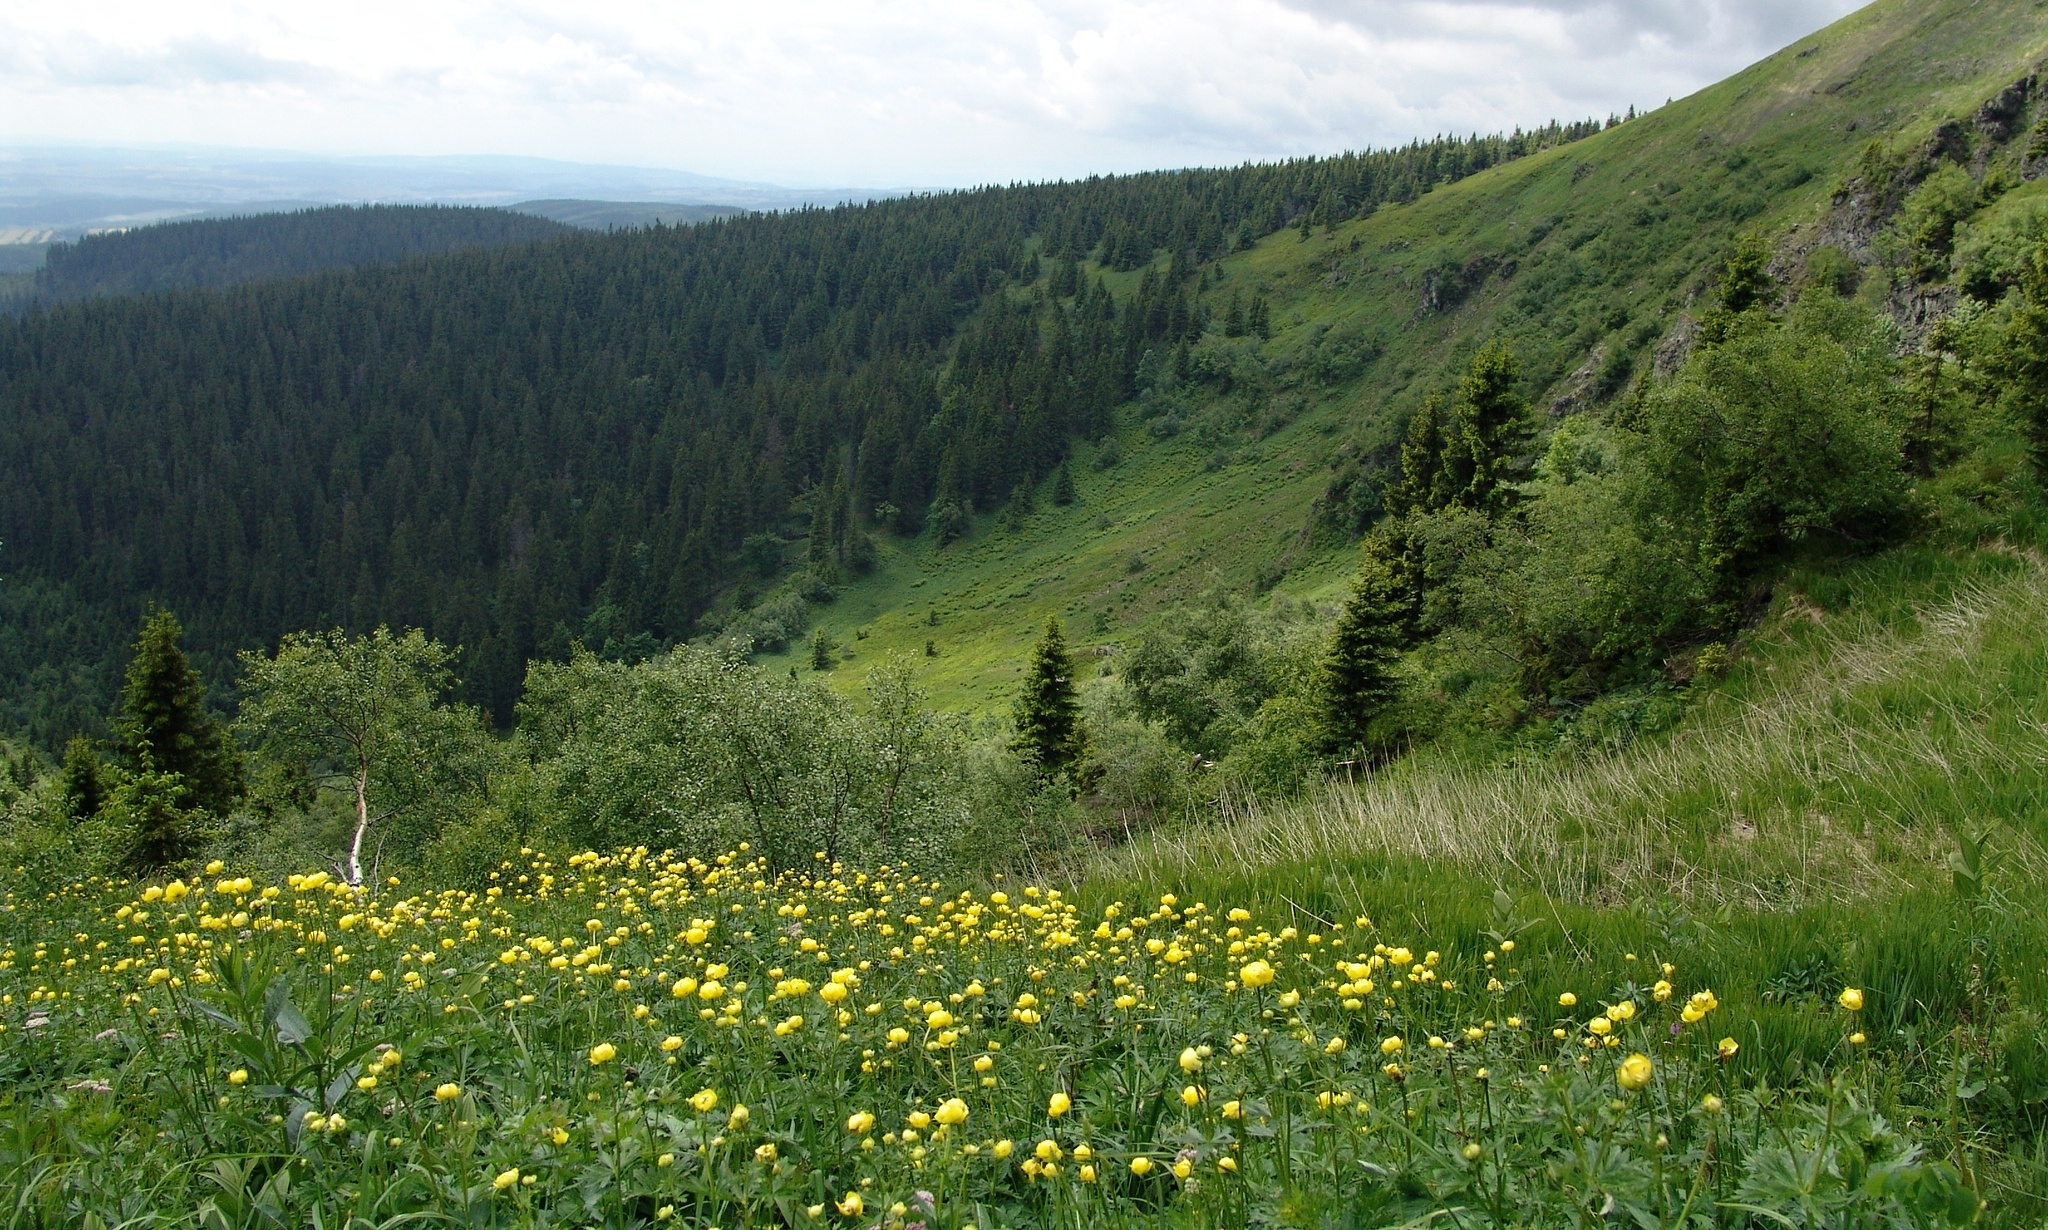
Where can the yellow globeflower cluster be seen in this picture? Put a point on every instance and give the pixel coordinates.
(815, 1026)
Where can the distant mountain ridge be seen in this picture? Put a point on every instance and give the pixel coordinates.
(226, 251)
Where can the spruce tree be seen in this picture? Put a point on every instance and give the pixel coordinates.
(1484, 448)
(2023, 359)
(821, 651)
(164, 725)
(1049, 731)
(1357, 680)
(1746, 280)
(1063, 485)
(80, 786)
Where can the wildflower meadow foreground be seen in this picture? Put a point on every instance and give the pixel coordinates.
(630, 1039)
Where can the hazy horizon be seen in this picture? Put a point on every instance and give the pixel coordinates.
(800, 93)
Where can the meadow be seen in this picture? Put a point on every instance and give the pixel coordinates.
(630, 1039)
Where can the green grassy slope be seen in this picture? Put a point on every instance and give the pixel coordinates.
(1585, 258)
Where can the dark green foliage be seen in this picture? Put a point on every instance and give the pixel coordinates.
(1357, 680)
(1484, 450)
(2023, 359)
(1776, 439)
(223, 251)
(164, 727)
(152, 819)
(821, 651)
(1200, 676)
(494, 444)
(81, 788)
(1063, 485)
(1465, 453)
(1049, 733)
(1746, 280)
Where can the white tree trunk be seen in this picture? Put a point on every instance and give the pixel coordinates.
(355, 849)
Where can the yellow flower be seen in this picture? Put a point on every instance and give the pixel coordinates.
(705, 1101)
(1087, 1174)
(1857, 1038)
(603, 1052)
(983, 1063)
(665, 1160)
(671, 1043)
(1141, 1166)
(1851, 999)
(859, 1122)
(1233, 1109)
(1712, 1104)
(447, 1091)
(1048, 1150)
(1472, 1151)
(1726, 1048)
(1634, 1072)
(765, 1153)
(952, 1112)
(1255, 975)
(1059, 1105)
(1392, 1046)
(1190, 1060)
(1191, 1096)
(1003, 1149)
(737, 1119)
(1600, 1025)
(1567, 999)
(240, 1076)
(832, 992)
(1183, 1168)
(505, 1179)
(560, 1136)
(852, 1205)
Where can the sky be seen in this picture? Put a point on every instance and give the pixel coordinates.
(935, 93)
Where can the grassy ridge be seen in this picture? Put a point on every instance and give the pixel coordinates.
(1585, 258)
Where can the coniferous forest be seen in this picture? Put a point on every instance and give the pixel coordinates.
(517, 447)
(224, 251)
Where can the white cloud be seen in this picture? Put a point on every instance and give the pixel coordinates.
(858, 91)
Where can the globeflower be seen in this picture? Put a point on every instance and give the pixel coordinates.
(1190, 1060)
(505, 1179)
(852, 1205)
(1141, 1166)
(1059, 1105)
(1255, 975)
(952, 1112)
(447, 1091)
(1851, 999)
(1634, 1072)
(859, 1122)
(705, 1101)
(603, 1052)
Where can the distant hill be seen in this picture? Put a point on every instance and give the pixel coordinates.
(610, 215)
(227, 251)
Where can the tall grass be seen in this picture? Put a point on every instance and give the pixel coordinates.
(1837, 764)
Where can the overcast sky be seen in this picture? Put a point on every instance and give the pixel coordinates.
(861, 92)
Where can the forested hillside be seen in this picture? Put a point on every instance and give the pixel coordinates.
(522, 446)
(224, 251)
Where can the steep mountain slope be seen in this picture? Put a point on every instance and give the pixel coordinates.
(592, 437)
(625, 439)
(1586, 259)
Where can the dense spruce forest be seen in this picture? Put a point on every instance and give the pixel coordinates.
(520, 447)
(226, 251)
